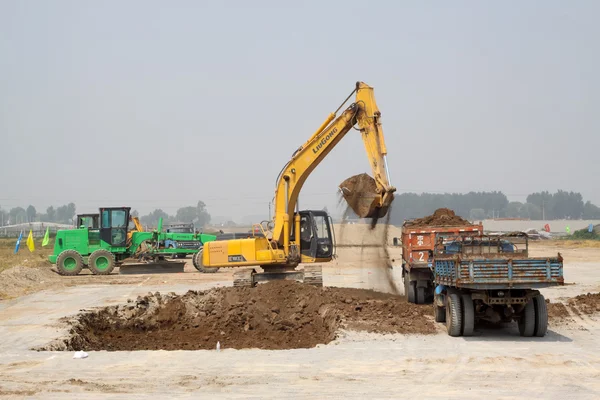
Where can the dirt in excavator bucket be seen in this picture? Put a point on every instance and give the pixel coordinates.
(360, 192)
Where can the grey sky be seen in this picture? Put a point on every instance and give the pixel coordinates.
(159, 104)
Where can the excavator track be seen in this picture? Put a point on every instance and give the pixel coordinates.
(243, 278)
(313, 275)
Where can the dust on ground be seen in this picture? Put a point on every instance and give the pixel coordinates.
(441, 217)
(273, 315)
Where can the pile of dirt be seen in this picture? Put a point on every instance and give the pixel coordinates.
(359, 191)
(274, 315)
(586, 303)
(557, 311)
(17, 281)
(441, 217)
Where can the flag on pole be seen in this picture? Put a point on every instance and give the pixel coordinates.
(18, 242)
(46, 238)
(30, 243)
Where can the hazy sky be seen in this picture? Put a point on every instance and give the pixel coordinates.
(159, 104)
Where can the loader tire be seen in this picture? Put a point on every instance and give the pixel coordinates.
(101, 262)
(453, 314)
(69, 263)
(541, 316)
(527, 320)
(197, 261)
(468, 317)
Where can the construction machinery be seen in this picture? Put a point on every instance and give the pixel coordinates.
(491, 278)
(103, 241)
(307, 236)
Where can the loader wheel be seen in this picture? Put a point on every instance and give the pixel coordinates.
(453, 314)
(69, 263)
(541, 316)
(468, 322)
(527, 320)
(197, 261)
(101, 262)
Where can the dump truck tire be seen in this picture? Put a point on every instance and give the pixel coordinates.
(453, 315)
(69, 263)
(468, 317)
(197, 261)
(439, 313)
(527, 320)
(410, 290)
(420, 295)
(101, 262)
(541, 316)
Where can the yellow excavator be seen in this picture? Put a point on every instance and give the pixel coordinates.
(307, 236)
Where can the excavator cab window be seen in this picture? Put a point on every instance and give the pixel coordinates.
(114, 226)
(315, 234)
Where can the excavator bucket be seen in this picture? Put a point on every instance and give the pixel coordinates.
(360, 192)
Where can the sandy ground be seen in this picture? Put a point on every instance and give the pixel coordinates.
(496, 363)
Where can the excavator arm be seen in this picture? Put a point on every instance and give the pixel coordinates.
(365, 113)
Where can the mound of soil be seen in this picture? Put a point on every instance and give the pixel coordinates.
(274, 315)
(441, 217)
(557, 311)
(17, 281)
(586, 303)
(359, 191)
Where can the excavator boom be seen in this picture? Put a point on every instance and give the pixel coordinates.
(307, 236)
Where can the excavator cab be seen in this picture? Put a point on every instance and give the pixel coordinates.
(114, 224)
(316, 238)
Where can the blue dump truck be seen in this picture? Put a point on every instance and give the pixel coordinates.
(491, 278)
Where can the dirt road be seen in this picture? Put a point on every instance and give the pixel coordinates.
(496, 363)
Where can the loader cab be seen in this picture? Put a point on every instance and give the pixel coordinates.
(114, 223)
(316, 234)
(89, 221)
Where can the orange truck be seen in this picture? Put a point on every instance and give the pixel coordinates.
(418, 244)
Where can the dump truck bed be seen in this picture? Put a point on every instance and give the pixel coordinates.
(498, 272)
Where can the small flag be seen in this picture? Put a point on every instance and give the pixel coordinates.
(568, 229)
(46, 238)
(30, 243)
(590, 228)
(18, 242)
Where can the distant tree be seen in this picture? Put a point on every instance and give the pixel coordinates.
(186, 214)
(152, 218)
(590, 211)
(513, 209)
(17, 215)
(531, 211)
(135, 213)
(3, 217)
(65, 213)
(51, 214)
(477, 214)
(31, 213)
(202, 215)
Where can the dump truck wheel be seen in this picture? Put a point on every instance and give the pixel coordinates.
(420, 295)
(541, 316)
(527, 320)
(468, 317)
(69, 263)
(410, 290)
(440, 313)
(197, 261)
(453, 315)
(101, 262)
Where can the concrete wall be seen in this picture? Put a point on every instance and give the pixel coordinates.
(556, 226)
